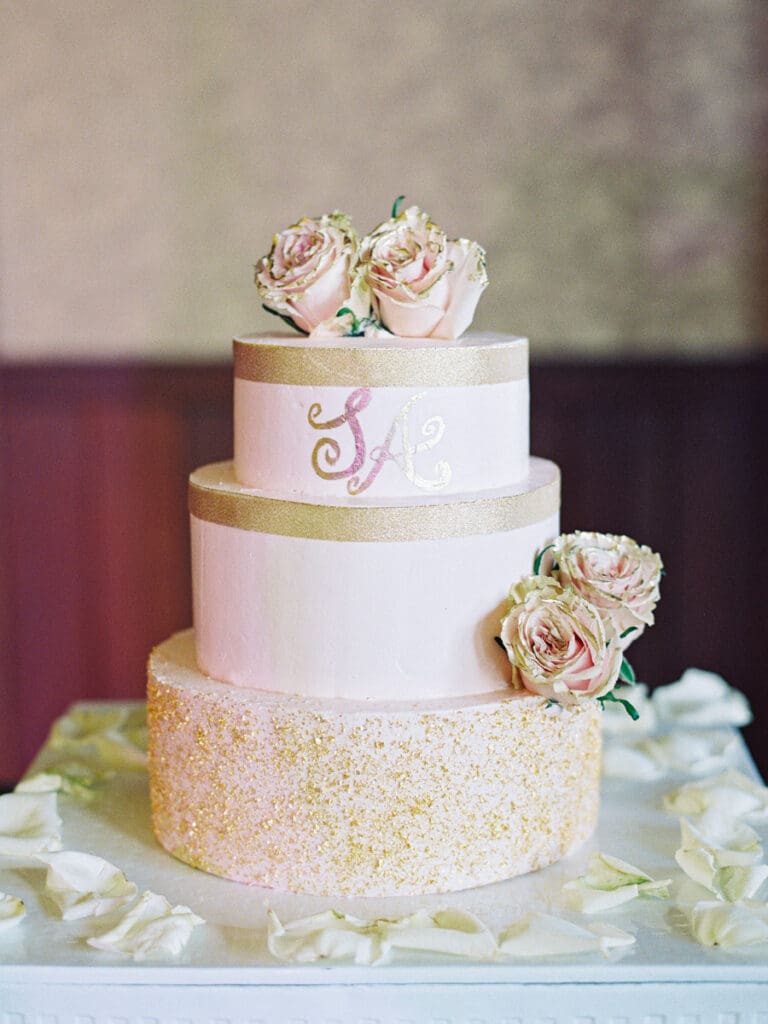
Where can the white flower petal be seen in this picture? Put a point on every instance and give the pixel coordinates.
(82, 885)
(72, 779)
(151, 928)
(731, 795)
(596, 901)
(698, 752)
(536, 934)
(632, 760)
(114, 738)
(701, 698)
(40, 782)
(29, 824)
(608, 872)
(12, 911)
(724, 864)
(451, 931)
(334, 936)
(732, 842)
(609, 882)
(714, 923)
(325, 936)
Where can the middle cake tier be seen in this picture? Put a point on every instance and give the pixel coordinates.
(385, 602)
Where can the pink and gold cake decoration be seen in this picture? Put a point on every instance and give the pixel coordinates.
(365, 707)
(375, 798)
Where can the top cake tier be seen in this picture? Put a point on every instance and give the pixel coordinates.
(366, 419)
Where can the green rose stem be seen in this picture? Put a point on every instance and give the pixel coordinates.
(627, 673)
(539, 557)
(395, 206)
(629, 708)
(346, 311)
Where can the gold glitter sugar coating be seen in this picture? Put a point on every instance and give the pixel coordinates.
(331, 797)
(473, 360)
(216, 497)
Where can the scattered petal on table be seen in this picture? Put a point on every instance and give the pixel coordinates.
(29, 824)
(725, 862)
(445, 931)
(325, 936)
(691, 751)
(331, 935)
(12, 911)
(111, 737)
(82, 885)
(696, 751)
(731, 794)
(609, 882)
(634, 760)
(71, 779)
(151, 928)
(714, 923)
(536, 934)
(701, 698)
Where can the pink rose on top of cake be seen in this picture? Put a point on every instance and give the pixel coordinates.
(422, 284)
(307, 275)
(615, 574)
(557, 642)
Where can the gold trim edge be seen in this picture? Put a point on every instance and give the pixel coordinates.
(255, 512)
(316, 366)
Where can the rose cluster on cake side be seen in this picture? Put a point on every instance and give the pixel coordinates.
(569, 623)
(405, 278)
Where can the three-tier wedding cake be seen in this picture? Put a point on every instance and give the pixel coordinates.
(344, 718)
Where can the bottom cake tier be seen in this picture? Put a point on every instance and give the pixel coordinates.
(331, 797)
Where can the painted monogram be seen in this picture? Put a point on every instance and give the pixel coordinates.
(359, 477)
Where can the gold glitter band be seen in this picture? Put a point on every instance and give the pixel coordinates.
(243, 510)
(381, 366)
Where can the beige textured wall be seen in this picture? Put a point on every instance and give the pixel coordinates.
(607, 153)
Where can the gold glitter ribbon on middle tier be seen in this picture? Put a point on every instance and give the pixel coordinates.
(217, 499)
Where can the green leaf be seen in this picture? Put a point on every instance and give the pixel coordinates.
(285, 319)
(539, 557)
(627, 631)
(631, 710)
(395, 205)
(356, 328)
(627, 673)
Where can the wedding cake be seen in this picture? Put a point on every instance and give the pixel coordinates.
(362, 708)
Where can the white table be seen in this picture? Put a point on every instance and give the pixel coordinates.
(49, 975)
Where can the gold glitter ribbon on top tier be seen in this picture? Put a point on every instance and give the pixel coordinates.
(483, 360)
(215, 497)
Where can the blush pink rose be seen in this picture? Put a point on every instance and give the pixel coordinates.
(615, 574)
(307, 275)
(422, 284)
(557, 642)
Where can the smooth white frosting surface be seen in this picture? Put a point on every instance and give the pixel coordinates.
(386, 420)
(403, 441)
(360, 619)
